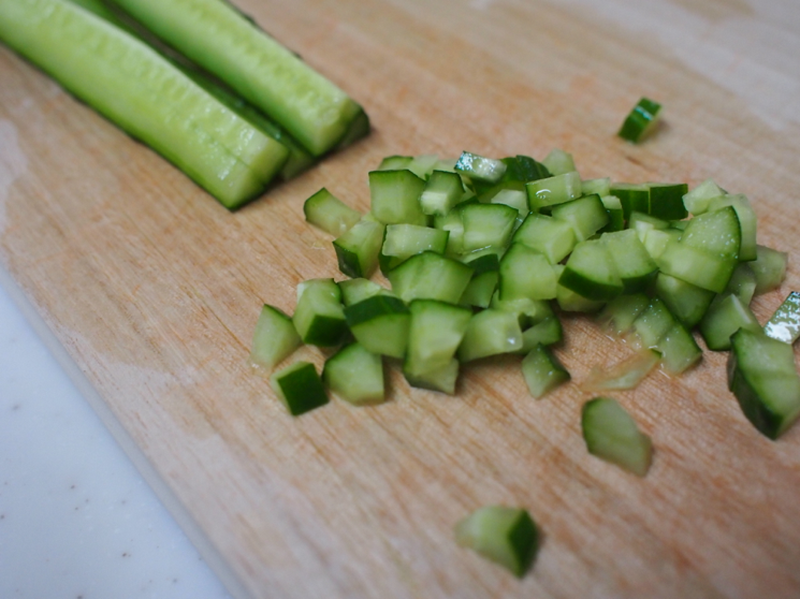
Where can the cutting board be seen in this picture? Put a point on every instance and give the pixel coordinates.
(153, 290)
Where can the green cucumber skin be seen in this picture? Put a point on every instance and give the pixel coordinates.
(219, 38)
(136, 88)
(300, 388)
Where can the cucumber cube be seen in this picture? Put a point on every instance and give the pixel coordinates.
(611, 434)
(299, 387)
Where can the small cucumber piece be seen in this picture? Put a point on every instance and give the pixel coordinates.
(442, 191)
(763, 377)
(380, 324)
(542, 371)
(274, 338)
(327, 212)
(552, 237)
(479, 168)
(726, 315)
(769, 268)
(356, 375)
(586, 215)
(591, 272)
(358, 249)
(526, 273)
(698, 199)
(505, 535)
(784, 325)
(489, 333)
(612, 435)
(666, 200)
(299, 387)
(430, 276)
(395, 197)
(634, 197)
(641, 120)
(319, 315)
(557, 189)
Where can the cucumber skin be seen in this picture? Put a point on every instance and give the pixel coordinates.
(221, 39)
(135, 108)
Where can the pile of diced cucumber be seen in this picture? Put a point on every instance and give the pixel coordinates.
(196, 80)
(487, 256)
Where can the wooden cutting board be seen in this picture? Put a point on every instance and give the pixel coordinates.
(154, 289)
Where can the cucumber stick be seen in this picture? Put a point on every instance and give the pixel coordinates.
(222, 40)
(144, 94)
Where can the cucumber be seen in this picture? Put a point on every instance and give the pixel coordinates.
(380, 324)
(356, 375)
(505, 535)
(225, 42)
(611, 434)
(430, 276)
(319, 314)
(542, 371)
(299, 387)
(358, 249)
(145, 95)
(274, 338)
(763, 377)
(327, 212)
(640, 121)
(784, 325)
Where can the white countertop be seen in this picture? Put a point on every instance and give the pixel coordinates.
(76, 518)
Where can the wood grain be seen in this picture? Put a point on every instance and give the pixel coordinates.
(154, 289)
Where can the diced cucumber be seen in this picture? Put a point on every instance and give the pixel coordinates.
(552, 237)
(329, 213)
(441, 378)
(147, 96)
(395, 163)
(559, 162)
(357, 249)
(697, 200)
(299, 387)
(635, 267)
(526, 273)
(356, 375)
(395, 197)
(591, 272)
(430, 276)
(763, 377)
(546, 332)
(543, 372)
(505, 535)
(653, 323)
(634, 197)
(620, 313)
(687, 302)
(358, 289)
(402, 241)
(586, 215)
(524, 169)
(747, 222)
(436, 331)
(487, 225)
(611, 434)
(380, 323)
(482, 285)
(679, 351)
(784, 325)
(221, 39)
(616, 216)
(666, 200)
(528, 311)
(480, 169)
(716, 232)
(557, 189)
(515, 198)
(726, 315)
(442, 191)
(769, 268)
(601, 186)
(489, 333)
(274, 338)
(641, 120)
(319, 314)
(696, 266)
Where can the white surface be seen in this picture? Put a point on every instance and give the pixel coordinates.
(76, 518)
